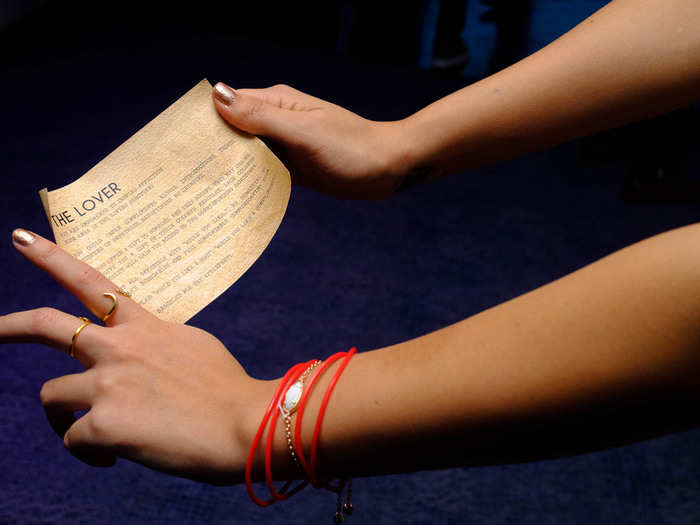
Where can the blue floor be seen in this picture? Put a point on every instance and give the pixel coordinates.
(334, 276)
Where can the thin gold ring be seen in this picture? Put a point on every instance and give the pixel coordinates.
(86, 322)
(114, 305)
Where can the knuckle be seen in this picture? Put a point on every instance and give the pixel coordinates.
(111, 346)
(48, 253)
(123, 342)
(88, 276)
(117, 352)
(253, 109)
(105, 383)
(99, 426)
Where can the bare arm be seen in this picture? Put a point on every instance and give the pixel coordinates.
(630, 60)
(608, 354)
(604, 356)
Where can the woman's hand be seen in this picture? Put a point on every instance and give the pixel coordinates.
(325, 146)
(165, 395)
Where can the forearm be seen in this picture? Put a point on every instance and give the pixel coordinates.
(631, 60)
(566, 368)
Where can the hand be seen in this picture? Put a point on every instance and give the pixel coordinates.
(326, 147)
(167, 396)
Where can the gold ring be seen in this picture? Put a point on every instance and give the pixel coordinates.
(86, 322)
(114, 305)
(122, 291)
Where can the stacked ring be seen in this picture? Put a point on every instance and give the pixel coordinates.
(86, 322)
(114, 306)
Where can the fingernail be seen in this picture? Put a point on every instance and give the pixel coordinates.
(23, 237)
(224, 94)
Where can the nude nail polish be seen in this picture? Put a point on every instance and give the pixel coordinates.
(23, 237)
(224, 94)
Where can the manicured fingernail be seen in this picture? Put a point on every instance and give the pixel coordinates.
(224, 94)
(23, 237)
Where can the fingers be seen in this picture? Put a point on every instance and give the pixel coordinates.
(56, 329)
(285, 97)
(252, 112)
(87, 442)
(61, 397)
(64, 395)
(80, 279)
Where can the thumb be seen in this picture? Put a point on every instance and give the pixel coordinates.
(253, 115)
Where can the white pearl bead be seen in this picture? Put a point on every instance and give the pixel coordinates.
(293, 396)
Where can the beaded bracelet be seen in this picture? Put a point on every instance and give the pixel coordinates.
(295, 382)
(311, 469)
(258, 436)
(288, 398)
(300, 411)
(288, 405)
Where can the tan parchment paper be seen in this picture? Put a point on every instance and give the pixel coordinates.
(178, 212)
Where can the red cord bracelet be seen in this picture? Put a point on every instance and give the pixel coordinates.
(322, 412)
(270, 439)
(258, 437)
(301, 407)
(292, 376)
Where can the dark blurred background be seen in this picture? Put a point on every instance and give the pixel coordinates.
(79, 78)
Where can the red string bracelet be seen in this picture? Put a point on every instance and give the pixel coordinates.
(258, 437)
(286, 382)
(271, 434)
(322, 412)
(302, 405)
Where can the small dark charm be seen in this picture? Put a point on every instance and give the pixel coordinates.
(338, 517)
(348, 508)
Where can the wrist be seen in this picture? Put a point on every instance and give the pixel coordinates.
(398, 150)
(283, 465)
(288, 398)
(257, 399)
(382, 161)
(412, 161)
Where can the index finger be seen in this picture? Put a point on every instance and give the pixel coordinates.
(82, 280)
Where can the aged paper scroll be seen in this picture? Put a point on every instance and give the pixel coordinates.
(178, 212)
